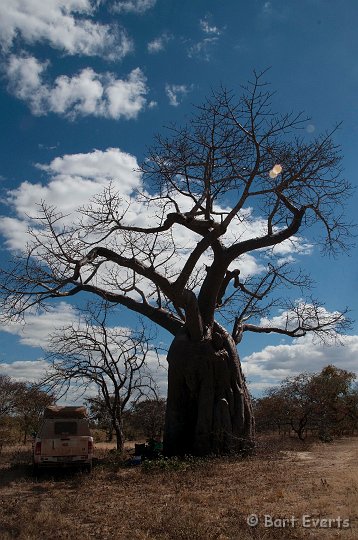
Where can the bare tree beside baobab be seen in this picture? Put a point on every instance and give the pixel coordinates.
(200, 252)
(90, 354)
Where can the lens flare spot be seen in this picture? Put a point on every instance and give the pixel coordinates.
(275, 171)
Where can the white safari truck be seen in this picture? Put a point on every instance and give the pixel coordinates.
(63, 440)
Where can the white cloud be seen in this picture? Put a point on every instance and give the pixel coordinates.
(25, 370)
(87, 93)
(202, 49)
(247, 225)
(36, 330)
(296, 244)
(109, 165)
(64, 24)
(276, 362)
(158, 44)
(34, 370)
(73, 181)
(133, 6)
(24, 74)
(15, 232)
(125, 97)
(176, 92)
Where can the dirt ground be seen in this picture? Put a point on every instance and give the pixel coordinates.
(293, 490)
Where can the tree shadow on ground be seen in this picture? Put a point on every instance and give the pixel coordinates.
(14, 473)
(24, 473)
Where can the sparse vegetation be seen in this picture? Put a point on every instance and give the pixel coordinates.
(202, 499)
(21, 409)
(324, 404)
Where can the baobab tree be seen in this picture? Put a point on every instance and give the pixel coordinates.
(199, 251)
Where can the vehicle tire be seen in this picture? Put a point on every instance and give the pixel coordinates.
(88, 468)
(35, 471)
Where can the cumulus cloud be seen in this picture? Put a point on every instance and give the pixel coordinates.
(269, 366)
(248, 225)
(176, 92)
(38, 327)
(133, 6)
(25, 370)
(73, 180)
(309, 316)
(15, 232)
(109, 165)
(87, 93)
(64, 24)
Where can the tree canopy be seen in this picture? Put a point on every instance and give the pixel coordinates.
(236, 181)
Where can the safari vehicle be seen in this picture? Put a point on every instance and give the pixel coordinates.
(63, 440)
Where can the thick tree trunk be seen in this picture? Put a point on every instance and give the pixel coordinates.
(208, 407)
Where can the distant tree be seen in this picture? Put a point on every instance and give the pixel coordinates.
(331, 392)
(92, 355)
(183, 263)
(269, 412)
(298, 403)
(24, 403)
(148, 417)
(30, 404)
(9, 391)
(324, 402)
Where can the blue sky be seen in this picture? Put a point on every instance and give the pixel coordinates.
(88, 83)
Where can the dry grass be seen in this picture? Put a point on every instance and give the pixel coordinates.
(192, 501)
